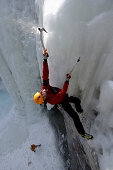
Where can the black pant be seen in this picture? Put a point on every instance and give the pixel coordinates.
(67, 107)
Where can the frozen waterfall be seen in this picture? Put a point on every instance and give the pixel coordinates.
(75, 28)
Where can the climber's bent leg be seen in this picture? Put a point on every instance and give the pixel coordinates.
(77, 103)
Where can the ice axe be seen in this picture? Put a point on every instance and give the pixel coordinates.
(41, 30)
(69, 74)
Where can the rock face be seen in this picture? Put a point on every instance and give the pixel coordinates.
(77, 153)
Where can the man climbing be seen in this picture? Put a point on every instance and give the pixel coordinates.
(54, 96)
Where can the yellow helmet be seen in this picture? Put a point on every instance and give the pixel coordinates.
(38, 98)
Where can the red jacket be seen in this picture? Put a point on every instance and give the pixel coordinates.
(51, 97)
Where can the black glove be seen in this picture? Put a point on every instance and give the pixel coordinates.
(46, 56)
(68, 76)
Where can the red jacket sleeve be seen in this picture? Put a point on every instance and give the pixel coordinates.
(45, 75)
(58, 98)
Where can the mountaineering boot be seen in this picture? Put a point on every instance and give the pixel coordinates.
(87, 136)
(77, 104)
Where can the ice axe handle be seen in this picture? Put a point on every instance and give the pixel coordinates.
(74, 66)
(41, 38)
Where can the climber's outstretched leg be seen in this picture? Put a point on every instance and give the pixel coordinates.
(67, 107)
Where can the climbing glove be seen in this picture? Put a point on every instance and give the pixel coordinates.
(68, 76)
(46, 56)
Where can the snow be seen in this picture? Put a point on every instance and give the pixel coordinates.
(16, 137)
(75, 28)
(46, 157)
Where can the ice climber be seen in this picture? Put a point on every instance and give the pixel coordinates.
(54, 96)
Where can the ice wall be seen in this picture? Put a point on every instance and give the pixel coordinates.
(76, 28)
(81, 29)
(20, 69)
(85, 29)
(4, 100)
(103, 126)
